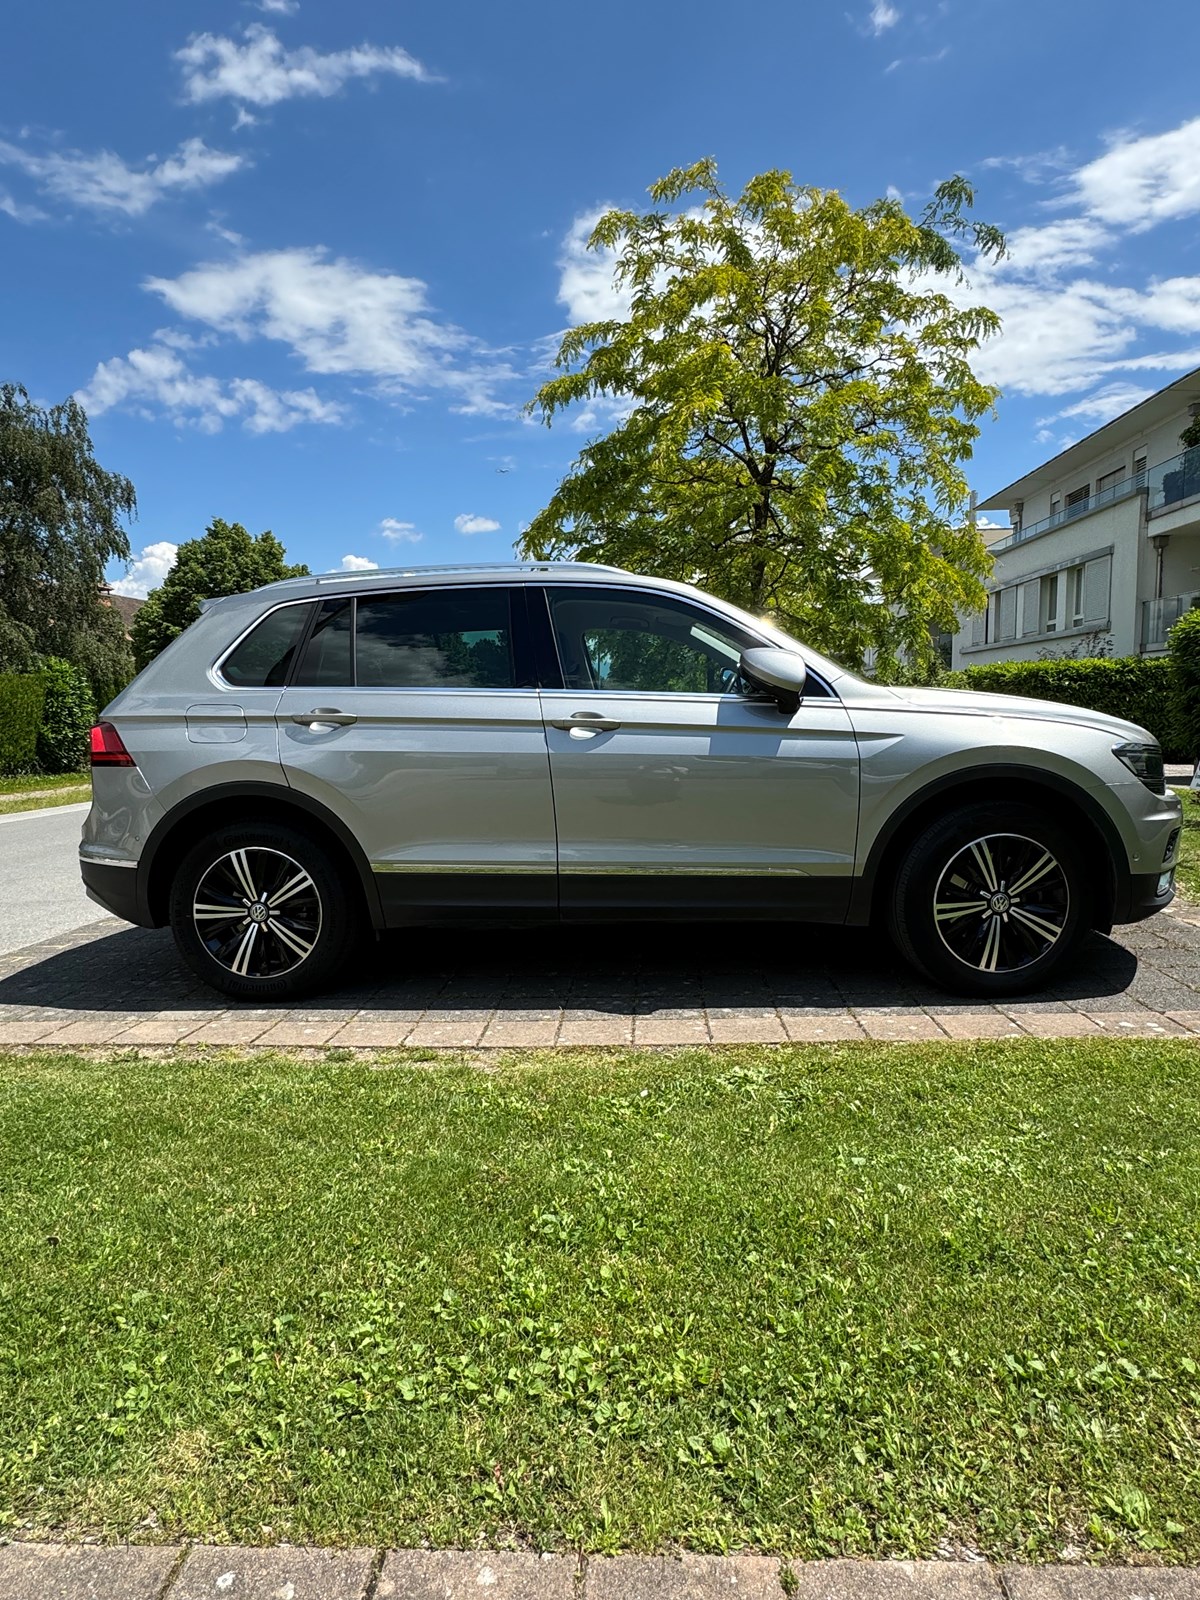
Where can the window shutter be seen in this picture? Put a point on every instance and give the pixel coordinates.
(979, 628)
(1097, 577)
(1031, 596)
(1007, 628)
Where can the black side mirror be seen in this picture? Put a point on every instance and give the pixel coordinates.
(781, 673)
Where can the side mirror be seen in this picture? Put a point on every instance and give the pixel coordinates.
(781, 673)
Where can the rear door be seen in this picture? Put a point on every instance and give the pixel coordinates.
(414, 716)
(674, 788)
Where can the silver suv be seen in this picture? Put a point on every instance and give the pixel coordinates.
(379, 750)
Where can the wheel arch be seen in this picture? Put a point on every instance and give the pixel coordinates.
(241, 802)
(1059, 796)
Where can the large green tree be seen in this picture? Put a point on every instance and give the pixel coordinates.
(794, 401)
(224, 560)
(61, 518)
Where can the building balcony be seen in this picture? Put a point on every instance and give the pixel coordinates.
(1172, 483)
(1169, 484)
(1160, 616)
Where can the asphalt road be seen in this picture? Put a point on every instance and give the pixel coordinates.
(41, 895)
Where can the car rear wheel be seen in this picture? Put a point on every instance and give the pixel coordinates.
(990, 900)
(261, 912)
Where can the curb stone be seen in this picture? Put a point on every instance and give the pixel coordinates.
(294, 1572)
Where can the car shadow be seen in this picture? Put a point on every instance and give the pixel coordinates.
(611, 967)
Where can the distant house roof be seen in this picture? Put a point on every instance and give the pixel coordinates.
(1145, 415)
(127, 606)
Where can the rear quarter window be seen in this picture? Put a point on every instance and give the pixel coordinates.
(264, 657)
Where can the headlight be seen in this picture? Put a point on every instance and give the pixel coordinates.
(1145, 761)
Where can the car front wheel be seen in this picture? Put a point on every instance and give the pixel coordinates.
(990, 900)
(261, 912)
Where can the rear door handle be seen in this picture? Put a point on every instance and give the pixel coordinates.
(585, 722)
(324, 716)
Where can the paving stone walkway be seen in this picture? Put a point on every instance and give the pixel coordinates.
(110, 984)
(144, 1572)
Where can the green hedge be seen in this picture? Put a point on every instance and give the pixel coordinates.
(1184, 643)
(67, 717)
(22, 696)
(1138, 688)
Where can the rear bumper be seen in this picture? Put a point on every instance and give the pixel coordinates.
(116, 889)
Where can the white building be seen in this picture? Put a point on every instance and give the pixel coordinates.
(1104, 540)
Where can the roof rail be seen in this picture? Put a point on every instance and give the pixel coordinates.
(370, 574)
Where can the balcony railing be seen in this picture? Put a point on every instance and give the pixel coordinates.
(1079, 508)
(1160, 616)
(1173, 481)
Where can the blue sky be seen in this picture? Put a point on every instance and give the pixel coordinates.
(304, 262)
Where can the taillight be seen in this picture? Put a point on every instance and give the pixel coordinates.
(107, 747)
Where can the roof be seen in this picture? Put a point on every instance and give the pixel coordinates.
(1147, 414)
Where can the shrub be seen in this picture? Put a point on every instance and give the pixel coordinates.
(1183, 642)
(67, 717)
(21, 699)
(1138, 688)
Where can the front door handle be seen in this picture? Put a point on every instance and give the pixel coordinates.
(585, 722)
(324, 716)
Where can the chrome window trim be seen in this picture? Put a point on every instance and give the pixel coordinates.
(221, 682)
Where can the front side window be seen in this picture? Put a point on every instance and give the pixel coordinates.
(440, 639)
(264, 657)
(634, 644)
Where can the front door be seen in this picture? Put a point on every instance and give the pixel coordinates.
(675, 789)
(413, 715)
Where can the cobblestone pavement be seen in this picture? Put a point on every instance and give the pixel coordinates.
(147, 1572)
(110, 984)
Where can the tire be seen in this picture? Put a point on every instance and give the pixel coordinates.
(250, 953)
(991, 900)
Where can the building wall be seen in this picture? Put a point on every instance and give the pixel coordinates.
(1115, 531)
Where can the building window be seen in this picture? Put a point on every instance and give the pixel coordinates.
(1139, 468)
(1055, 505)
(1076, 597)
(1077, 499)
(1049, 603)
(1110, 480)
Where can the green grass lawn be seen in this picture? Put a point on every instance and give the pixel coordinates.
(866, 1299)
(1187, 877)
(17, 794)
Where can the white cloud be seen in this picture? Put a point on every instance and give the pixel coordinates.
(585, 286)
(468, 523)
(1141, 181)
(19, 213)
(147, 570)
(883, 16)
(339, 317)
(156, 380)
(261, 71)
(399, 532)
(103, 182)
(282, 8)
(1106, 403)
(359, 564)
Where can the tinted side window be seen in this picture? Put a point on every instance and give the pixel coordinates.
(263, 658)
(446, 638)
(328, 659)
(611, 639)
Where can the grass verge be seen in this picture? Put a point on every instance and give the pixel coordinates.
(860, 1299)
(1187, 876)
(36, 781)
(66, 795)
